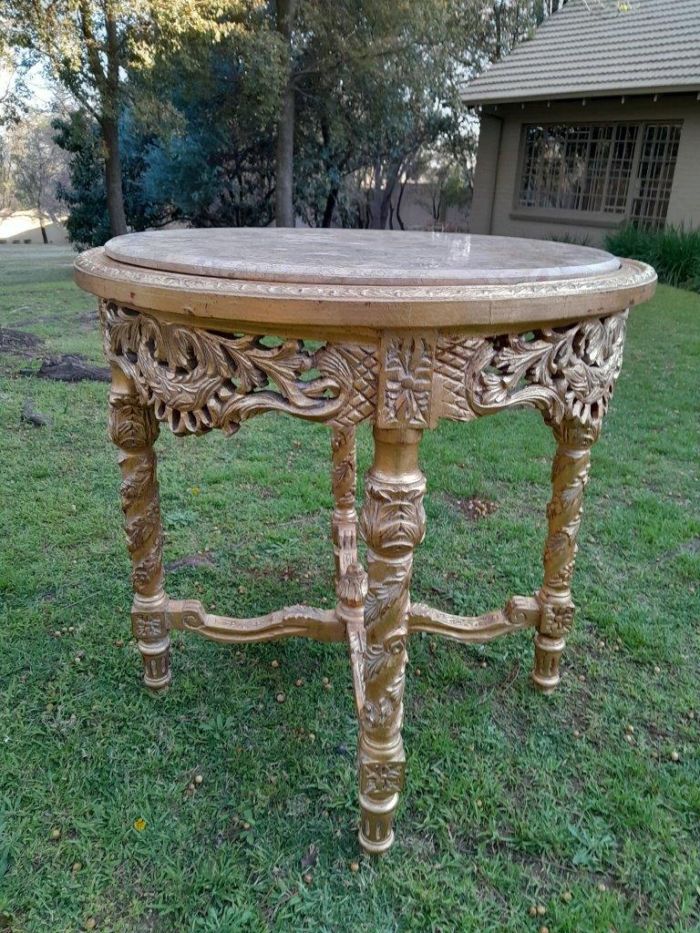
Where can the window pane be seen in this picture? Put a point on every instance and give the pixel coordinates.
(599, 168)
(657, 164)
(620, 172)
(578, 167)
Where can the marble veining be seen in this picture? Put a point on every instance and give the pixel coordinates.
(358, 257)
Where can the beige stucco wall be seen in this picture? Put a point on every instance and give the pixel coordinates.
(23, 227)
(493, 207)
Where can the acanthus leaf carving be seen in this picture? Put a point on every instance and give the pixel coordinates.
(567, 372)
(393, 517)
(198, 380)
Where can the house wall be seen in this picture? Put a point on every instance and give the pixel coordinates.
(494, 207)
(25, 227)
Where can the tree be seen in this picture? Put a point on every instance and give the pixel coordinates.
(83, 192)
(364, 70)
(285, 14)
(210, 110)
(13, 90)
(508, 22)
(204, 110)
(82, 43)
(89, 46)
(38, 166)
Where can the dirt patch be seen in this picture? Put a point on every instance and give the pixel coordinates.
(71, 368)
(688, 547)
(473, 508)
(88, 321)
(205, 559)
(19, 342)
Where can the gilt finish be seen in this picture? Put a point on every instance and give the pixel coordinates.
(401, 355)
(133, 428)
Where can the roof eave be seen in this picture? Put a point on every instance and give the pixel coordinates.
(481, 100)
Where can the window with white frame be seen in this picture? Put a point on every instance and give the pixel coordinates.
(600, 169)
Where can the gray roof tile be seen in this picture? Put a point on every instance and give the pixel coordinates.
(591, 48)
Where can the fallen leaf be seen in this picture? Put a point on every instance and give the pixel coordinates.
(310, 859)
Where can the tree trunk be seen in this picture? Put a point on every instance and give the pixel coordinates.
(385, 208)
(113, 176)
(44, 238)
(284, 202)
(284, 156)
(332, 197)
(329, 210)
(399, 219)
(374, 221)
(497, 13)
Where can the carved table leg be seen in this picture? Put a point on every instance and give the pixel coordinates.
(343, 477)
(392, 524)
(133, 428)
(569, 478)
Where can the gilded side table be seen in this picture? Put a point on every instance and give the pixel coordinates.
(413, 327)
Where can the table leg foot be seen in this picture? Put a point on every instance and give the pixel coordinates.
(392, 524)
(156, 664)
(381, 779)
(150, 627)
(376, 834)
(545, 674)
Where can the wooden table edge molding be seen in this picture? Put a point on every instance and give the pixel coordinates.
(192, 352)
(231, 305)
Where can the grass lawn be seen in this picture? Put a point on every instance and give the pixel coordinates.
(512, 799)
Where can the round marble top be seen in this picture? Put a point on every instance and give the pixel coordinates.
(357, 257)
(355, 284)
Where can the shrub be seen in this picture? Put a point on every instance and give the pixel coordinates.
(673, 252)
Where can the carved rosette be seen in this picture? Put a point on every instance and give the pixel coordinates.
(197, 380)
(381, 778)
(406, 381)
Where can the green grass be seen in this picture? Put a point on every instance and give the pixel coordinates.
(673, 252)
(504, 808)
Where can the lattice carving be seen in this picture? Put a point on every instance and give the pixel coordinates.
(197, 380)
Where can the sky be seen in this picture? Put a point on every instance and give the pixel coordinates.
(40, 89)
